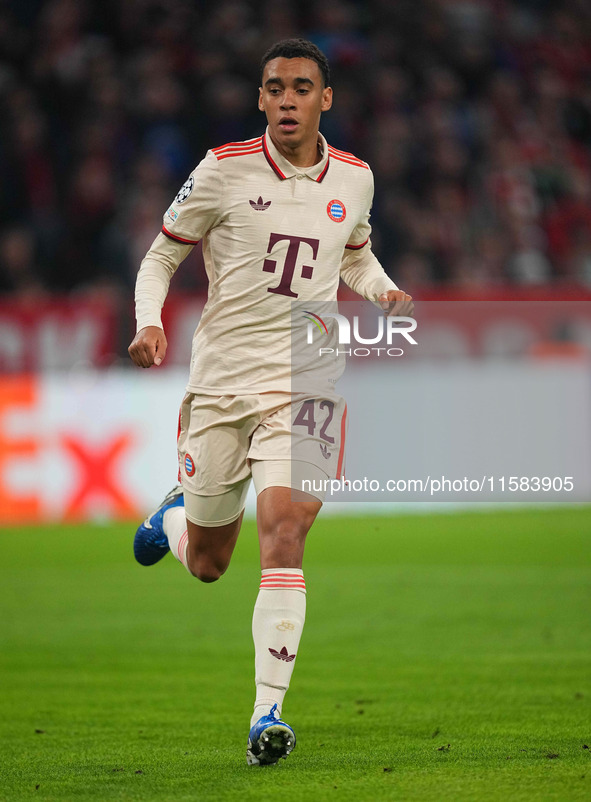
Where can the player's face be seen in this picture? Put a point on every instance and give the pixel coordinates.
(293, 98)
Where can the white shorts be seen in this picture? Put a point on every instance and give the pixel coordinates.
(276, 438)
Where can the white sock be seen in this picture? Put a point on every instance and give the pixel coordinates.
(277, 623)
(174, 524)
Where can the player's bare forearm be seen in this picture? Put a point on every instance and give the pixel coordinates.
(148, 347)
(396, 303)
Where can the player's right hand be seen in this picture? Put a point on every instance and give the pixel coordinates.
(148, 347)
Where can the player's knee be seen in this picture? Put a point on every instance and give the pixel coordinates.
(205, 569)
(290, 531)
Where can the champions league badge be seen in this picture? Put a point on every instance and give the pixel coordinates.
(185, 190)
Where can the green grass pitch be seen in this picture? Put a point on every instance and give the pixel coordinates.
(445, 657)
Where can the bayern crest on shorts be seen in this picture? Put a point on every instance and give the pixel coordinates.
(336, 211)
(189, 465)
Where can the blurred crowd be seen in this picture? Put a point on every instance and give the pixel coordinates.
(475, 116)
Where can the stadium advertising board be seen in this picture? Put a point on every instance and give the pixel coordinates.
(100, 445)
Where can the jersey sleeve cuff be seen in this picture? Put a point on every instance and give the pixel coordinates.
(352, 247)
(176, 238)
(145, 321)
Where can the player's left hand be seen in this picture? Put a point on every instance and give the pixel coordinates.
(396, 303)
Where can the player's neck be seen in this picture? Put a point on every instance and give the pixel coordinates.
(305, 155)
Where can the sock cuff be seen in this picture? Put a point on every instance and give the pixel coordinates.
(182, 545)
(283, 579)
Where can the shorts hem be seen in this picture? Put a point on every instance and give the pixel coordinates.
(210, 524)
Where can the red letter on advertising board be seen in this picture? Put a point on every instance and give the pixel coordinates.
(16, 392)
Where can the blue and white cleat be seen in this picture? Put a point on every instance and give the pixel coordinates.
(150, 543)
(269, 740)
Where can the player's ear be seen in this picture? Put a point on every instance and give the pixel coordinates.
(261, 104)
(326, 98)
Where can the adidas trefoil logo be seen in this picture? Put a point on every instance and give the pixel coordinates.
(260, 205)
(324, 451)
(283, 655)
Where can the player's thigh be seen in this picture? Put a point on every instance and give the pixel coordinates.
(318, 433)
(300, 444)
(279, 514)
(213, 442)
(213, 526)
(295, 451)
(214, 436)
(210, 548)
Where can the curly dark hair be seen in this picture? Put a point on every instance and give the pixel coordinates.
(298, 48)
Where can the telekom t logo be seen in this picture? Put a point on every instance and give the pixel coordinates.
(270, 265)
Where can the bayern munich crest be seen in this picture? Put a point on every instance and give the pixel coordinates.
(185, 190)
(189, 465)
(336, 211)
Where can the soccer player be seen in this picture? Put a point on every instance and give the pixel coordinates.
(281, 217)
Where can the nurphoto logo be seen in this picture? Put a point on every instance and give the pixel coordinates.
(387, 330)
